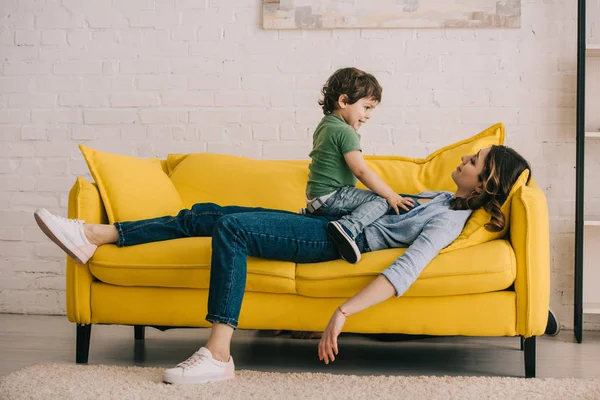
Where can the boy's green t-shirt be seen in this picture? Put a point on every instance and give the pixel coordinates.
(328, 170)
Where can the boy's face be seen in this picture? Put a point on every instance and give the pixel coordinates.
(355, 114)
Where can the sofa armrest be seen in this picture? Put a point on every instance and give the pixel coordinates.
(86, 204)
(530, 238)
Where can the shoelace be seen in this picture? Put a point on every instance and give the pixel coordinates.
(194, 360)
(69, 220)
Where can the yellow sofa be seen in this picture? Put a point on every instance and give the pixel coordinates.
(484, 284)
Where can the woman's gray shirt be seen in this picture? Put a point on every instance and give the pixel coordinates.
(425, 230)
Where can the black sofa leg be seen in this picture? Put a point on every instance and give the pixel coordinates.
(82, 351)
(139, 332)
(530, 357)
(522, 343)
(139, 345)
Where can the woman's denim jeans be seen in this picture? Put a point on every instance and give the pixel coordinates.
(238, 232)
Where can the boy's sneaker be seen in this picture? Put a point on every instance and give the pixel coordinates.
(201, 367)
(344, 241)
(67, 234)
(553, 326)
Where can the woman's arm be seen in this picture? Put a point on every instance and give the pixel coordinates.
(375, 292)
(394, 280)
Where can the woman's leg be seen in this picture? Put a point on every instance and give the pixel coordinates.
(198, 221)
(265, 235)
(80, 240)
(268, 235)
(280, 236)
(100, 234)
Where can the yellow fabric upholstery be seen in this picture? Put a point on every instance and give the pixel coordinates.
(414, 175)
(182, 263)
(173, 161)
(132, 188)
(530, 238)
(484, 284)
(489, 314)
(231, 180)
(85, 204)
(455, 273)
(185, 263)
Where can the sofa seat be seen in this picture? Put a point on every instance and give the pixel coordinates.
(487, 267)
(185, 263)
(182, 263)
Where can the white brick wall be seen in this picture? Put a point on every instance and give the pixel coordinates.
(151, 77)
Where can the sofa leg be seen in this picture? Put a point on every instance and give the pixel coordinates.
(530, 357)
(139, 332)
(82, 350)
(522, 343)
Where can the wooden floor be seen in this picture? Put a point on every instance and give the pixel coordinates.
(31, 339)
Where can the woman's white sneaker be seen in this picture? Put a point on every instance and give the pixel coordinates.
(201, 367)
(67, 234)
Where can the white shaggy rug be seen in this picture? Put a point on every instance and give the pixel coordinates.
(69, 381)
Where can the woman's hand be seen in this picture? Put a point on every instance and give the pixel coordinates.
(328, 344)
(374, 293)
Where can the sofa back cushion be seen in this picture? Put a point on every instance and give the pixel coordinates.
(132, 188)
(414, 175)
(232, 180)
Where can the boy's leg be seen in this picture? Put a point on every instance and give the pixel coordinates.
(359, 208)
(364, 206)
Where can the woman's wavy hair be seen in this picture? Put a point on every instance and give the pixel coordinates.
(352, 82)
(502, 168)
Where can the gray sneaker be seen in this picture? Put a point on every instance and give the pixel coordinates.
(344, 241)
(553, 326)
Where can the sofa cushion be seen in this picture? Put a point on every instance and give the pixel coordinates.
(182, 263)
(414, 175)
(132, 188)
(480, 269)
(85, 202)
(185, 263)
(232, 180)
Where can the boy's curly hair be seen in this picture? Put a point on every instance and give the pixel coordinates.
(352, 82)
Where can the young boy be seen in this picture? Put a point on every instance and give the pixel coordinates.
(349, 96)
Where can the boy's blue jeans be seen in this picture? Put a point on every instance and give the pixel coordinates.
(238, 232)
(357, 208)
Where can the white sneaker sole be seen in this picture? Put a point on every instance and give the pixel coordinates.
(53, 231)
(195, 380)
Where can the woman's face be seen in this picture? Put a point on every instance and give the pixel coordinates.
(466, 175)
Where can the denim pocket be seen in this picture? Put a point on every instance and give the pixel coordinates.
(334, 205)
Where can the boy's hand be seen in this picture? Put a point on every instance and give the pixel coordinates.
(396, 200)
